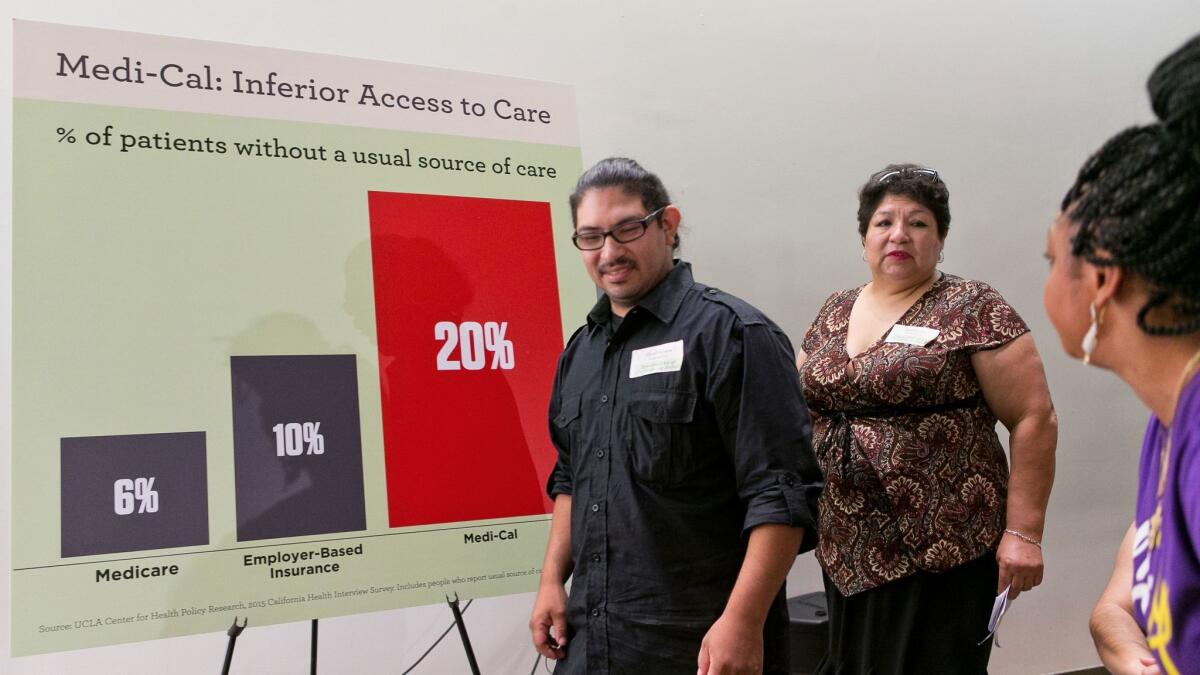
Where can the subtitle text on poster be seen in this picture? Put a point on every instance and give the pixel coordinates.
(274, 148)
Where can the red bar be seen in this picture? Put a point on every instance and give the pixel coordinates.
(471, 443)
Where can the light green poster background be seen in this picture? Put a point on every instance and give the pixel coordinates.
(136, 274)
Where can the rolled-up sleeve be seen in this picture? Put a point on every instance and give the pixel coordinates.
(560, 480)
(765, 424)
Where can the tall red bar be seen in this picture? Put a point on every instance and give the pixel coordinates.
(469, 331)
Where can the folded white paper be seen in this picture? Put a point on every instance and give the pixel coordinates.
(999, 607)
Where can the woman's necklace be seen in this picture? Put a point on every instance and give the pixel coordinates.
(1165, 453)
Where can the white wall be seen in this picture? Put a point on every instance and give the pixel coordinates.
(763, 118)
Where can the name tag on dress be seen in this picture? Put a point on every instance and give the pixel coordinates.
(918, 336)
(666, 358)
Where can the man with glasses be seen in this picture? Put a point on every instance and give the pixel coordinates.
(685, 482)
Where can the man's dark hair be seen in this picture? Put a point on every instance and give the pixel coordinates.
(627, 174)
(910, 180)
(1136, 201)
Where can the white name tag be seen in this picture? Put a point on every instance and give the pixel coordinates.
(918, 336)
(666, 358)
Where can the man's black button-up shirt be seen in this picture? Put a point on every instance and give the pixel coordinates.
(678, 428)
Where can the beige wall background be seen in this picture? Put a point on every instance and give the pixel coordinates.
(762, 118)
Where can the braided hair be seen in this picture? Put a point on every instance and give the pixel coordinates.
(1137, 199)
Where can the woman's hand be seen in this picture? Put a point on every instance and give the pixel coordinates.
(1020, 564)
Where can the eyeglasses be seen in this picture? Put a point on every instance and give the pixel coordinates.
(623, 233)
(889, 174)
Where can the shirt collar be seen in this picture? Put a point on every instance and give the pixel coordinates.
(662, 301)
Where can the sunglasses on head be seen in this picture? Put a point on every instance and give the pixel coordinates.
(891, 174)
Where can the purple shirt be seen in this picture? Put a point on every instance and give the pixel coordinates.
(1166, 546)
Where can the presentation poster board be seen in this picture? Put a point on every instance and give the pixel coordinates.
(284, 330)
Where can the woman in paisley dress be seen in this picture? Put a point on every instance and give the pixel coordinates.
(1124, 295)
(921, 524)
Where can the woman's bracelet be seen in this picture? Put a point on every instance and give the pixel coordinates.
(1024, 537)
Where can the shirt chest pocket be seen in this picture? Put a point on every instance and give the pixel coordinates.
(660, 447)
(566, 425)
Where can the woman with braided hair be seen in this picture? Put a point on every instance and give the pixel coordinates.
(1124, 294)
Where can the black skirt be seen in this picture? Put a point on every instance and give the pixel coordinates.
(925, 623)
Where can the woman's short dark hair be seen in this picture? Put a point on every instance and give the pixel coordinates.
(916, 182)
(1136, 201)
(627, 174)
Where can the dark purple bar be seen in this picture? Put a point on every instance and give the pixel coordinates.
(133, 493)
(307, 493)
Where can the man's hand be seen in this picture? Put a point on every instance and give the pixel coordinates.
(550, 612)
(1020, 563)
(734, 644)
(731, 647)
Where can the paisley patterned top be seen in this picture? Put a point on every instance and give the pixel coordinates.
(915, 476)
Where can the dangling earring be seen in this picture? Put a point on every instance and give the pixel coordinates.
(1089, 339)
(941, 255)
(864, 255)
